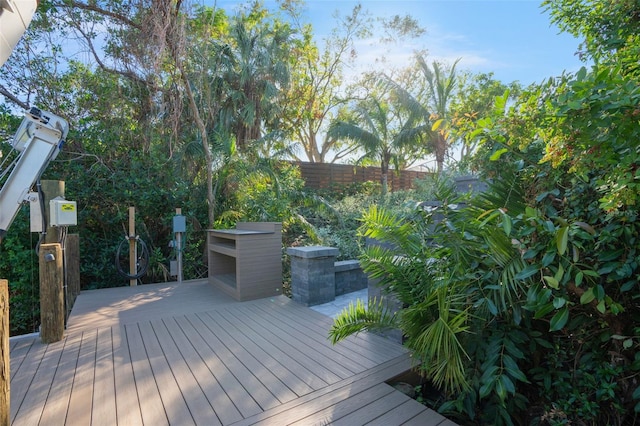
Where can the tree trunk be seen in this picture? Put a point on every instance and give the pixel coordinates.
(202, 128)
(52, 313)
(384, 179)
(441, 151)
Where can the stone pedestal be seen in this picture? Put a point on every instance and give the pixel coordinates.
(349, 277)
(313, 274)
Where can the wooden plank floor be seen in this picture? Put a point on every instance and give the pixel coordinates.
(169, 354)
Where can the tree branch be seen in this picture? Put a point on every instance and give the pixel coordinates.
(5, 92)
(94, 8)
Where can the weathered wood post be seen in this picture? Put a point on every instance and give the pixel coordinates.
(52, 313)
(5, 379)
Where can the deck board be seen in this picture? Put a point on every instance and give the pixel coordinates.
(254, 344)
(55, 411)
(128, 407)
(174, 403)
(214, 336)
(241, 399)
(317, 363)
(246, 355)
(151, 406)
(81, 401)
(220, 406)
(104, 396)
(300, 379)
(20, 347)
(40, 373)
(188, 354)
(318, 344)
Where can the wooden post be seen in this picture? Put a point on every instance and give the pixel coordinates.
(51, 190)
(133, 247)
(52, 313)
(5, 378)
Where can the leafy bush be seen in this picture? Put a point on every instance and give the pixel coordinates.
(521, 307)
(19, 265)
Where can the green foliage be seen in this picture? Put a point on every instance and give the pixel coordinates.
(609, 29)
(515, 304)
(571, 145)
(357, 318)
(19, 265)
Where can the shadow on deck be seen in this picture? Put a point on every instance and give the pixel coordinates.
(190, 355)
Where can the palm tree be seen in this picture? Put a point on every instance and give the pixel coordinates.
(260, 72)
(432, 105)
(440, 84)
(459, 281)
(384, 131)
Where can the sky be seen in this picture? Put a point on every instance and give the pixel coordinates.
(514, 39)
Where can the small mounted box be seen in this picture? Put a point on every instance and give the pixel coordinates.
(63, 213)
(179, 224)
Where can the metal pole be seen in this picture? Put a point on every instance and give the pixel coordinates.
(179, 248)
(133, 247)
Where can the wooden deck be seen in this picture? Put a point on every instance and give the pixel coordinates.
(189, 355)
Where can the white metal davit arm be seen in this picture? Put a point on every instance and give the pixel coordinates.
(15, 17)
(38, 141)
(41, 134)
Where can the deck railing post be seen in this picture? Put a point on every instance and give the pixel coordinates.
(4, 353)
(52, 312)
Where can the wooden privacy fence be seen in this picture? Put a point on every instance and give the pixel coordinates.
(325, 175)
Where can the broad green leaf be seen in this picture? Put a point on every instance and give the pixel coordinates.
(579, 278)
(527, 272)
(587, 297)
(517, 374)
(606, 256)
(559, 320)
(552, 282)
(562, 239)
(496, 155)
(543, 311)
(559, 273)
(548, 258)
(508, 384)
(586, 227)
(559, 302)
(485, 389)
(601, 307)
(492, 307)
(506, 223)
(437, 124)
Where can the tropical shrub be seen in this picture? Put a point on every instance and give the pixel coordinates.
(523, 306)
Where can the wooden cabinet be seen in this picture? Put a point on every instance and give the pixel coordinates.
(246, 262)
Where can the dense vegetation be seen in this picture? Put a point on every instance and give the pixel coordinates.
(520, 304)
(523, 306)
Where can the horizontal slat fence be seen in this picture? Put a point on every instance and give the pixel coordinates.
(324, 175)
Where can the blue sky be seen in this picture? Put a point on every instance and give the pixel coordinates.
(514, 39)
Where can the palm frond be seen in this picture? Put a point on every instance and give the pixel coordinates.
(358, 318)
(438, 345)
(345, 130)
